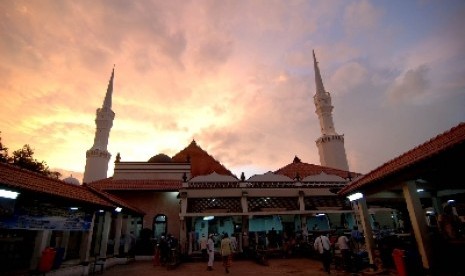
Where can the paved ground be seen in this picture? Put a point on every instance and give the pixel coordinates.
(282, 267)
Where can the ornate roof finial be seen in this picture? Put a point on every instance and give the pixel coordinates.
(107, 101)
(184, 177)
(297, 177)
(242, 177)
(320, 89)
(296, 160)
(118, 158)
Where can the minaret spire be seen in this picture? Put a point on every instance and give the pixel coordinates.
(107, 101)
(330, 144)
(320, 89)
(97, 157)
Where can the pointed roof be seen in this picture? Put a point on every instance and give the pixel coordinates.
(269, 177)
(107, 101)
(320, 89)
(301, 169)
(214, 177)
(201, 162)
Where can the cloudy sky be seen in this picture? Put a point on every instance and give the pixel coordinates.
(236, 76)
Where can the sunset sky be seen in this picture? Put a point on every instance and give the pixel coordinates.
(236, 76)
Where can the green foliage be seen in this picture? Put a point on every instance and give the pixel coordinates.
(3, 152)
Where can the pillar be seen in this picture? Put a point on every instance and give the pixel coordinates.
(366, 225)
(127, 233)
(99, 217)
(303, 226)
(86, 242)
(118, 228)
(418, 220)
(301, 201)
(183, 235)
(64, 242)
(41, 242)
(105, 234)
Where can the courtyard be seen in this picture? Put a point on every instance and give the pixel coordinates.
(296, 267)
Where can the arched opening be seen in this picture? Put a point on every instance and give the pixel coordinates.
(160, 224)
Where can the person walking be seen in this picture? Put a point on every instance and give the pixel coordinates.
(343, 244)
(211, 252)
(226, 252)
(203, 246)
(323, 246)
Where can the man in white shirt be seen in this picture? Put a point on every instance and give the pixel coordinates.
(343, 244)
(211, 252)
(323, 246)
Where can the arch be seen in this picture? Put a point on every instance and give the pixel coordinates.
(160, 225)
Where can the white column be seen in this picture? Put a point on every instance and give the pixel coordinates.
(127, 233)
(244, 203)
(41, 242)
(64, 242)
(303, 226)
(118, 228)
(98, 236)
(418, 220)
(301, 201)
(105, 234)
(368, 232)
(183, 203)
(183, 235)
(86, 242)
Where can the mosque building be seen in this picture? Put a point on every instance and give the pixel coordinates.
(191, 193)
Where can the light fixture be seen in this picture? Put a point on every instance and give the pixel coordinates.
(355, 196)
(450, 201)
(420, 190)
(101, 211)
(118, 209)
(8, 194)
(319, 215)
(74, 208)
(429, 212)
(208, 217)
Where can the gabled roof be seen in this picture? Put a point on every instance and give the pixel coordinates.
(201, 162)
(445, 142)
(110, 184)
(323, 177)
(302, 170)
(269, 177)
(214, 177)
(27, 181)
(115, 200)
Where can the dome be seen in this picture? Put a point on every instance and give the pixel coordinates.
(71, 180)
(160, 158)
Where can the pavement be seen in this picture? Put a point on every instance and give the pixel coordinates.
(281, 267)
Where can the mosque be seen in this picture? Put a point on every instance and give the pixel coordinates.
(191, 193)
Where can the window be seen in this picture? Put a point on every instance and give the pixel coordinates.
(160, 223)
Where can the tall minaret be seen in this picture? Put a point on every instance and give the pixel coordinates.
(330, 144)
(97, 157)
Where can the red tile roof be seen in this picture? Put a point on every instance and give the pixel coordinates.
(201, 162)
(110, 184)
(23, 180)
(441, 143)
(304, 169)
(114, 199)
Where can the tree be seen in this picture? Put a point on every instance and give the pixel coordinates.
(24, 158)
(3, 152)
